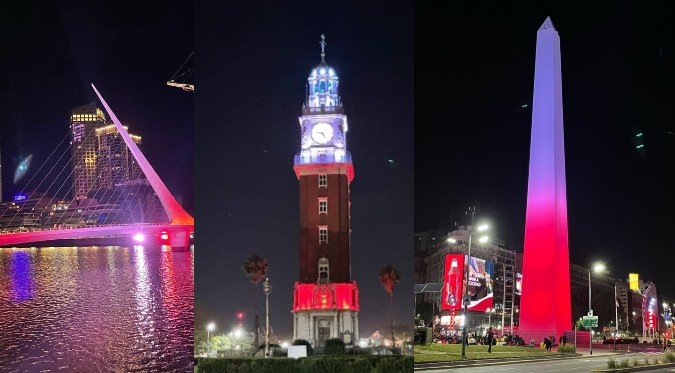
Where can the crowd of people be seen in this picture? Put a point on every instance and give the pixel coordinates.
(449, 336)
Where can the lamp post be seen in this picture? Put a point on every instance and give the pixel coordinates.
(616, 317)
(209, 328)
(503, 295)
(466, 299)
(267, 289)
(597, 268)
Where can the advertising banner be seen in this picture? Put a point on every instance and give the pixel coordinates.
(481, 280)
(634, 281)
(481, 275)
(454, 282)
(519, 283)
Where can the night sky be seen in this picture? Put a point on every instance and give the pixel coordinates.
(52, 51)
(475, 71)
(251, 68)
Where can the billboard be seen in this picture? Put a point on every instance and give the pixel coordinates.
(481, 274)
(519, 283)
(634, 281)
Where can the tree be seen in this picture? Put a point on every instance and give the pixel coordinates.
(334, 346)
(303, 342)
(389, 277)
(220, 343)
(255, 268)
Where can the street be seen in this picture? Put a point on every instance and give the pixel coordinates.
(584, 364)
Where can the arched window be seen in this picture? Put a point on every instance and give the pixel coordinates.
(324, 271)
(322, 86)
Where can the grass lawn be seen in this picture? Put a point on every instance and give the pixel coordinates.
(451, 352)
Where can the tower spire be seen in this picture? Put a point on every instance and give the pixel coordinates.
(323, 46)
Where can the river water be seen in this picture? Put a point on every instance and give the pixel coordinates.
(96, 309)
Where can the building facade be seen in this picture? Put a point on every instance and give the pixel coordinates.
(83, 123)
(504, 305)
(325, 297)
(114, 161)
(101, 159)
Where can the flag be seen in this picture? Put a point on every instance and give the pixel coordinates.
(617, 302)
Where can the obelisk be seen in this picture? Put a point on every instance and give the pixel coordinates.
(545, 305)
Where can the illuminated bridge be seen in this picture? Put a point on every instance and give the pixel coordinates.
(126, 210)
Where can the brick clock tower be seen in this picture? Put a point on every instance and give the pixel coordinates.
(326, 301)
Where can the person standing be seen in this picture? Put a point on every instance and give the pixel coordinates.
(489, 339)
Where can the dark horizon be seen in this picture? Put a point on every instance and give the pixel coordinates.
(617, 70)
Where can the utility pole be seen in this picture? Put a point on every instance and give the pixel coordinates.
(465, 301)
(503, 295)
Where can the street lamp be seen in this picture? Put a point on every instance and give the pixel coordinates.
(467, 298)
(267, 289)
(209, 328)
(600, 268)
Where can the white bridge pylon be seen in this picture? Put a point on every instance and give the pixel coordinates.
(177, 215)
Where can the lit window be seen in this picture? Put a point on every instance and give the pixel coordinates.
(323, 206)
(323, 234)
(323, 181)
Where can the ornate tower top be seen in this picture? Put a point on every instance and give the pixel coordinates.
(323, 124)
(322, 87)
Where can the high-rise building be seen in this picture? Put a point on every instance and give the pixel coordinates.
(325, 298)
(83, 123)
(546, 267)
(425, 241)
(500, 258)
(114, 162)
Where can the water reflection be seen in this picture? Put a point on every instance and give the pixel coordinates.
(20, 277)
(96, 309)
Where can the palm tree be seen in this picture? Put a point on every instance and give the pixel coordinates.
(255, 268)
(389, 277)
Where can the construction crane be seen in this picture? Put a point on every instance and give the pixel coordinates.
(180, 80)
(186, 87)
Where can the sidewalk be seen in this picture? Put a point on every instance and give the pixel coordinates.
(581, 353)
(585, 352)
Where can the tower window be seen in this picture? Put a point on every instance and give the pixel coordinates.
(323, 181)
(324, 272)
(323, 234)
(323, 206)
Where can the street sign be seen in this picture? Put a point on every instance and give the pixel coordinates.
(589, 321)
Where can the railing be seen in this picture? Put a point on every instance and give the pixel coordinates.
(27, 230)
(322, 158)
(322, 110)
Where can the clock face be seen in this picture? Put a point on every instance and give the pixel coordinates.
(322, 133)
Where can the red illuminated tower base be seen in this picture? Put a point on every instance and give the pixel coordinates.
(326, 300)
(545, 305)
